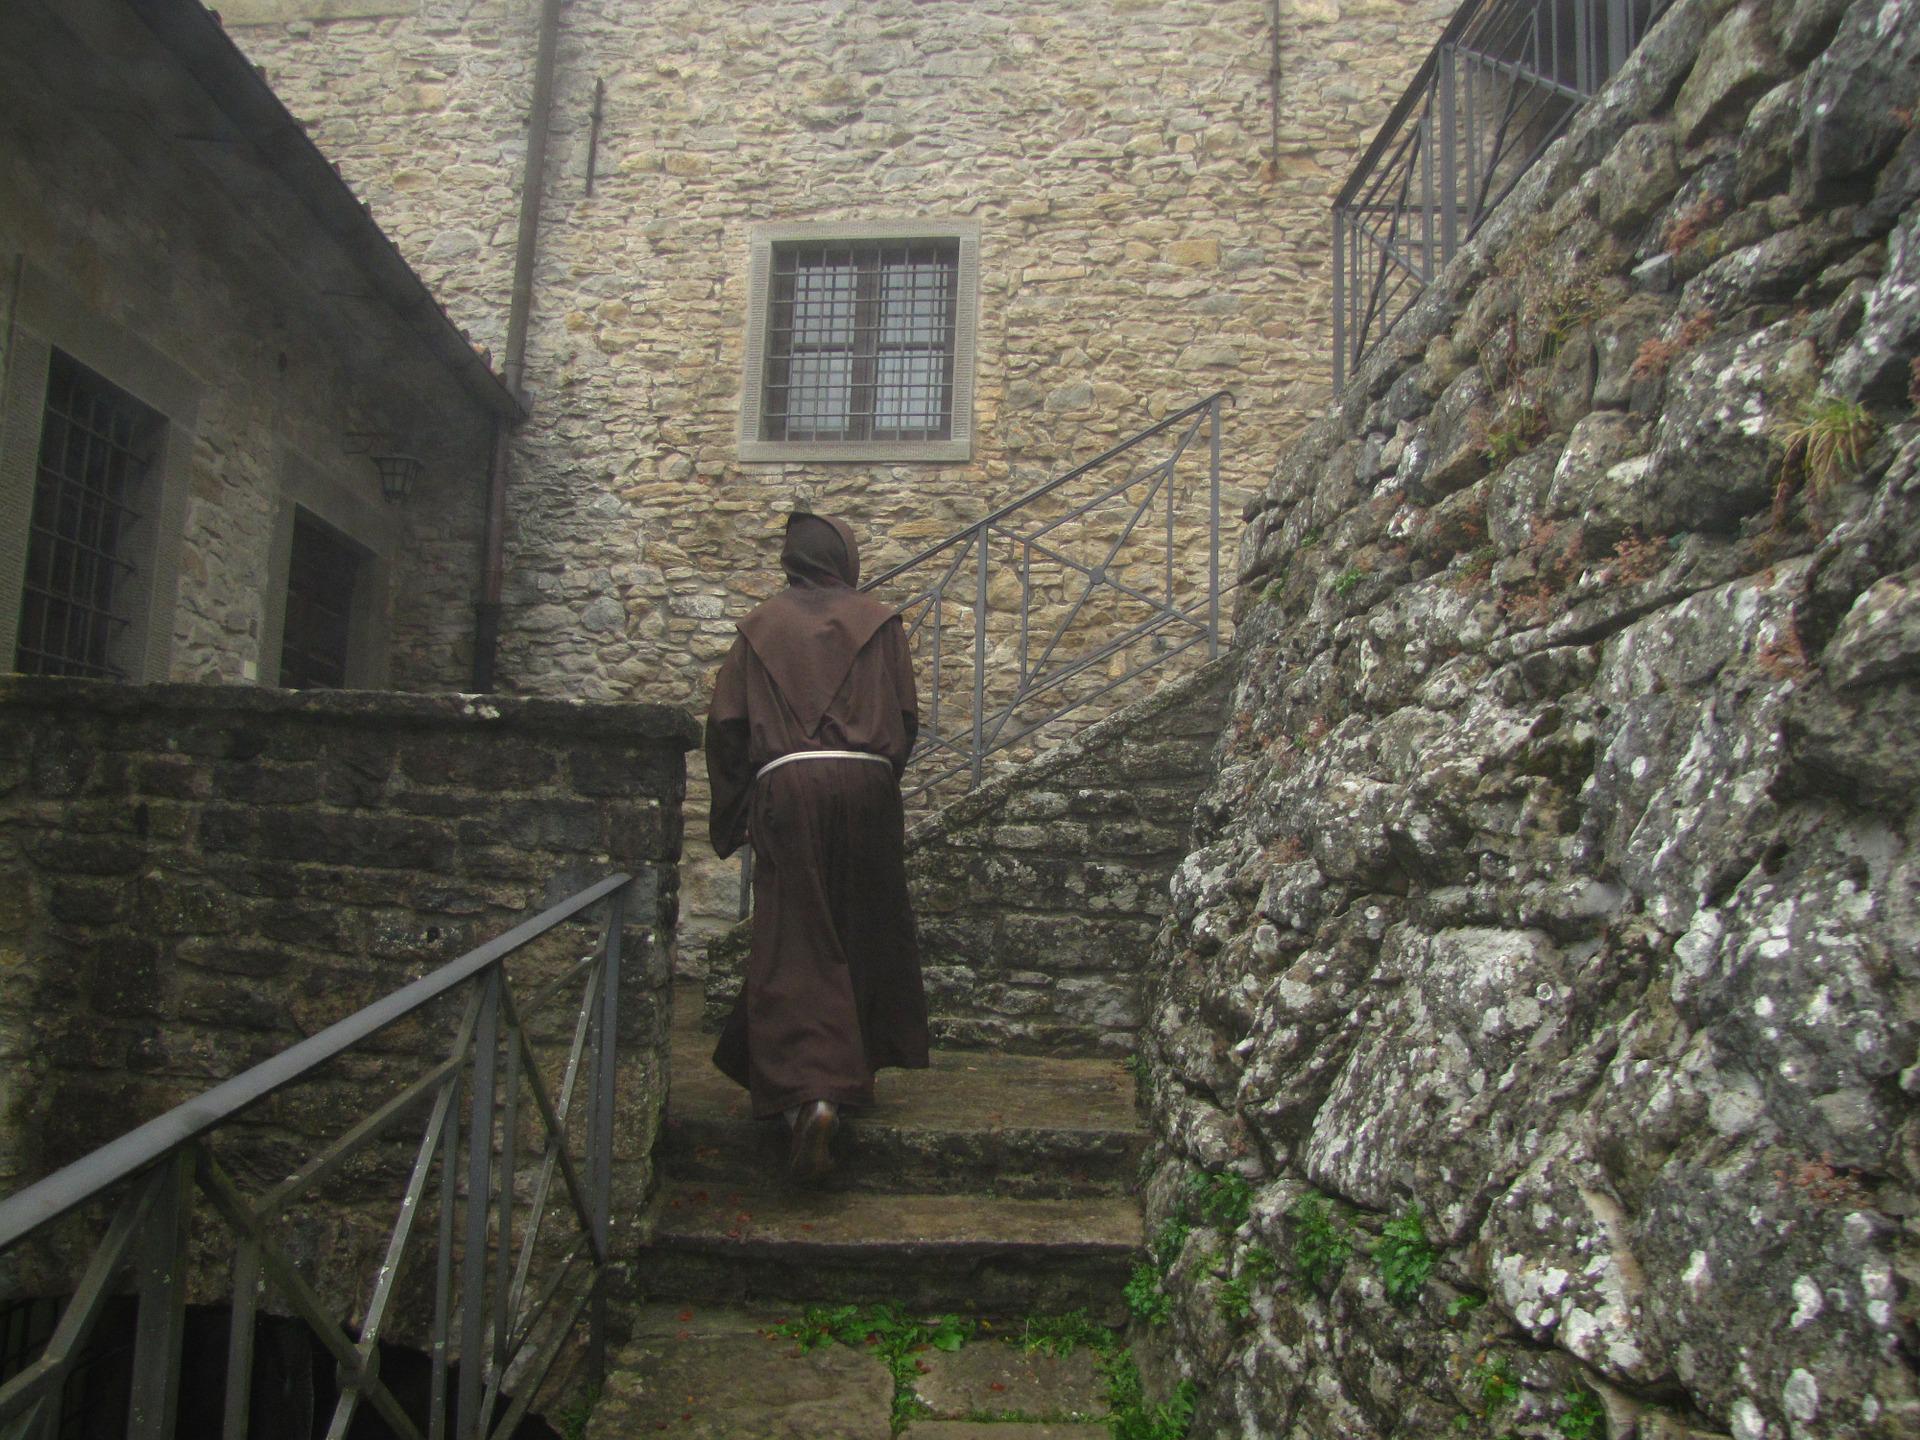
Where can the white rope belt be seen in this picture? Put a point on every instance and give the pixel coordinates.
(793, 755)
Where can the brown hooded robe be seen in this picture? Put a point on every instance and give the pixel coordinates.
(833, 989)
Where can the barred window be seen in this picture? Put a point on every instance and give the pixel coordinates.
(97, 445)
(860, 342)
(323, 572)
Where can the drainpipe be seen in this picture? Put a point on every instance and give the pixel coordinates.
(1273, 92)
(486, 637)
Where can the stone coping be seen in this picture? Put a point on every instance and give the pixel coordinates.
(666, 725)
(1097, 736)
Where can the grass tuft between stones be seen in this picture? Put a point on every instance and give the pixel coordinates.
(898, 1339)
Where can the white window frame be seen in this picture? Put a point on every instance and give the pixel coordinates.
(762, 239)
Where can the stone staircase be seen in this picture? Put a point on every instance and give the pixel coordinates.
(996, 1185)
(992, 1185)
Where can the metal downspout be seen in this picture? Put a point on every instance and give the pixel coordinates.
(486, 640)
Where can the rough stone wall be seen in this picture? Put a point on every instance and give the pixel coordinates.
(194, 878)
(1558, 878)
(1142, 244)
(1039, 895)
(148, 244)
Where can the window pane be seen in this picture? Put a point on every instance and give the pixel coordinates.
(913, 305)
(819, 395)
(96, 444)
(321, 574)
(823, 306)
(860, 341)
(910, 395)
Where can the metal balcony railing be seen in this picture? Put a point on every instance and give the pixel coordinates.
(1501, 86)
(1056, 600)
(503, 1317)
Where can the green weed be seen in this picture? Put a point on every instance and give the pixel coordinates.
(1132, 1417)
(1405, 1256)
(1584, 1418)
(1168, 1241)
(573, 1418)
(1494, 1379)
(1511, 433)
(1145, 1299)
(1061, 1335)
(1824, 444)
(1347, 581)
(1320, 1248)
(1461, 1304)
(1223, 1201)
(1236, 1294)
(889, 1334)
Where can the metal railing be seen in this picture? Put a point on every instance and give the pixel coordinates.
(504, 1323)
(1501, 86)
(1046, 604)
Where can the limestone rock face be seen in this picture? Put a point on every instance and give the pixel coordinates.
(1546, 963)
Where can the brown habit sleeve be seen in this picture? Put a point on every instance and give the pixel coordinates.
(729, 775)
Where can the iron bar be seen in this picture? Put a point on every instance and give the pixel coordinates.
(147, 1233)
(47, 1200)
(1046, 489)
(376, 1312)
(225, 1197)
(980, 655)
(600, 1142)
(1464, 149)
(443, 1268)
(1213, 530)
(473, 1266)
(240, 1328)
(70, 1336)
(161, 1284)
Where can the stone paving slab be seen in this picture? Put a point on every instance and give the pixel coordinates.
(1010, 1124)
(717, 1375)
(1000, 1430)
(998, 1377)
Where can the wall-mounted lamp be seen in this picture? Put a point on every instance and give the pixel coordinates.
(398, 475)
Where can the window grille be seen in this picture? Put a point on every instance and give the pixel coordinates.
(322, 573)
(97, 444)
(861, 341)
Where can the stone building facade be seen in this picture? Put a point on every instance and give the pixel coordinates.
(1148, 181)
(167, 239)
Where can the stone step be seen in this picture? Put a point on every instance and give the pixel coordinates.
(964, 1254)
(1012, 1125)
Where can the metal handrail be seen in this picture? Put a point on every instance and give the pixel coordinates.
(1050, 651)
(992, 728)
(1502, 83)
(164, 1160)
(1041, 492)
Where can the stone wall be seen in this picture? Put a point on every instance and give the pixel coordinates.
(1557, 882)
(1144, 241)
(194, 878)
(144, 259)
(1038, 896)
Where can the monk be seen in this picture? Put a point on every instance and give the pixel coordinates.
(813, 716)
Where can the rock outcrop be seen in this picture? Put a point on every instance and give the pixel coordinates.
(1547, 966)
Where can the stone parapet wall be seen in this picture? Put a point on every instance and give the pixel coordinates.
(1557, 880)
(1039, 895)
(1147, 236)
(194, 878)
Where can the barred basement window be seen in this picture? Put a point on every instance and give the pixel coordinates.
(322, 575)
(860, 342)
(97, 445)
